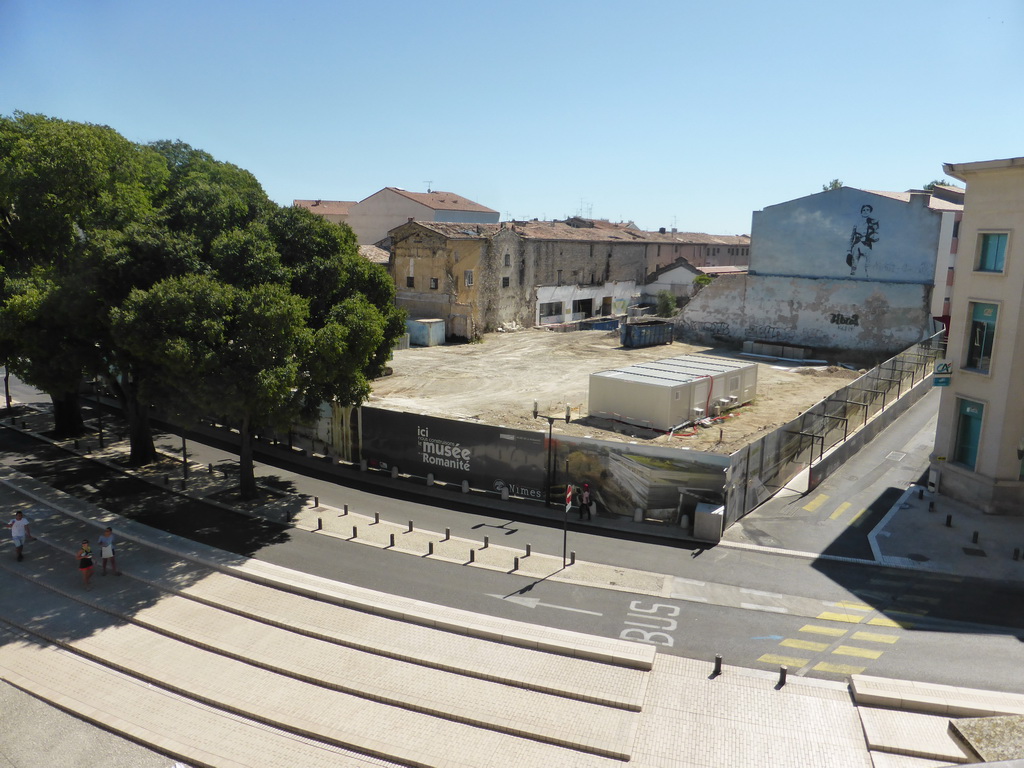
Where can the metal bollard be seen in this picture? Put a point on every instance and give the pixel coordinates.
(472, 555)
(316, 501)
(782, 675)
(572, 558)
(376, 517)
(931, 506)
(345, 511)
(410, 527)
(920, 493)
(447, 534)
(974, 538)
(210, 470)
(355, 532)
(515, 566)
(529, 548)
(718, 665)
(487, 542)
(949, 521)
(430, 547)
(319, 523)
(392, 540)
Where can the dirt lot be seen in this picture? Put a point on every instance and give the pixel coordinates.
(497, 380)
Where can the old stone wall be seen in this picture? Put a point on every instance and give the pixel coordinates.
(872, 319)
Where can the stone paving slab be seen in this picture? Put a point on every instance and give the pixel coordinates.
(911, 733)
(739, 719)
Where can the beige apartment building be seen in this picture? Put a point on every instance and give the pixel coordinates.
(979, 442)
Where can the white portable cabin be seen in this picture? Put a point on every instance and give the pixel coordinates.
(663, 394)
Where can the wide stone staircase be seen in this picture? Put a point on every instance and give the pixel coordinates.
(221, 660)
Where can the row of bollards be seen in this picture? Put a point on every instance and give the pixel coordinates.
(717, 672)
(975, 535)
(430, 545)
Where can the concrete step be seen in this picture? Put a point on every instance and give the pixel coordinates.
(403, 684)
(933, 698)
(337, 718)
(175, 725)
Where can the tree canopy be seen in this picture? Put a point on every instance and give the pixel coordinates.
(174, 277)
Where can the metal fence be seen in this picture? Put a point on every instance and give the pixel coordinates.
(766, 465)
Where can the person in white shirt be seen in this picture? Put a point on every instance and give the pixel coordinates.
(20, 533)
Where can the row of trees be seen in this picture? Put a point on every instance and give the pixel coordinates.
(173, 278)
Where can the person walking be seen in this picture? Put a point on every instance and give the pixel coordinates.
(85, 562)
(585, 501)
(20, 533)
(106, 542)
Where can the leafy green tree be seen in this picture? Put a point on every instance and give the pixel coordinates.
(248, 356)
(834, 184)
(62, 185)
(666, 306)
(937, 182)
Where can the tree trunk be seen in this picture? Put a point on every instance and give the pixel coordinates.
(140, 435)
(246, 471)
(67, 415)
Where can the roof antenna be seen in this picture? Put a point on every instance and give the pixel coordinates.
(428, 183)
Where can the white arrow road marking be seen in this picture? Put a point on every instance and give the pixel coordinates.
(534, 602)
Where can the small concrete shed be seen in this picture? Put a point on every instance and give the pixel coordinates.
(663, 394)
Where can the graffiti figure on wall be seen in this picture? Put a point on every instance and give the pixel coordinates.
(861, 242)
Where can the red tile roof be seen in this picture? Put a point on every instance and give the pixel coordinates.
(326, 207)
(442, 201)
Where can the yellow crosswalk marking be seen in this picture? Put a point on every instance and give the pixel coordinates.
(851, 650)
(875, 637)
(819, 630)
(806, 645)
(813, 505)
(839, 669)
(789, 661)
(854, 606)
(839, 510)
(885, 621)
(849, 618)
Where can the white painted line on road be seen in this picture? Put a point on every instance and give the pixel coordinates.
(533, 602)
(758, 592)
(689, 598)
(695, 583)
(759, 607)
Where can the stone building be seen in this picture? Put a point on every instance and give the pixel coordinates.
(483, 277)
(373, 216)
(844, 272)
(979, 440)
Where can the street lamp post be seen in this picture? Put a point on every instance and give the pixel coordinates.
(551, 422)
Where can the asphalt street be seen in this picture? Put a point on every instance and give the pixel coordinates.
(968, 636)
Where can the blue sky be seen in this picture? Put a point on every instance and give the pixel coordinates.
(668, 113)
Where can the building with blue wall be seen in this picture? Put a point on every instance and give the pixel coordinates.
(847, 270)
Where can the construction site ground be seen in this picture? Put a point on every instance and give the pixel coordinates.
(497, 379)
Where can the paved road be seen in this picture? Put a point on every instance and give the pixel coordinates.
(725, 616)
